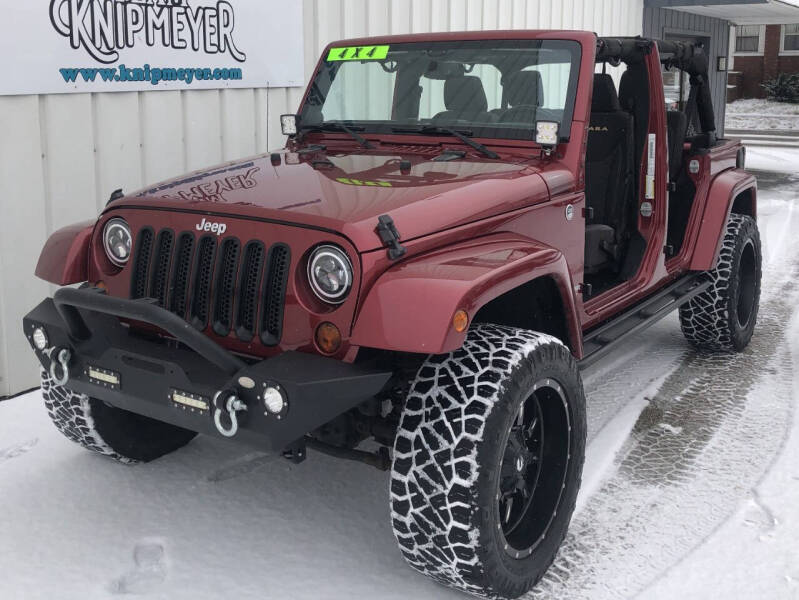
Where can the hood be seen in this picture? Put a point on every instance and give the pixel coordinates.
(347, 192)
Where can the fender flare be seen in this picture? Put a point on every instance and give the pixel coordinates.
(720, 199)
(64, 260)
(411, 305)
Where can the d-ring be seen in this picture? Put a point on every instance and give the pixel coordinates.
(231, 406)
(63, 356)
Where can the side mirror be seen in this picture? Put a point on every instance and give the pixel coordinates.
(288, 124)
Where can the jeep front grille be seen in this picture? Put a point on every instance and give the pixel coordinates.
(141, 263)
(226, 285)
(203, 271)
(160, 271)
(214, 283)
(181, 271)
(251, 268)
(275, 294)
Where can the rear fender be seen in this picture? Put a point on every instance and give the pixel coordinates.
(65, 257)
(411, 306)
(724, 190)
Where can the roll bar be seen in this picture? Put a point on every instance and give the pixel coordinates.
(685, 56)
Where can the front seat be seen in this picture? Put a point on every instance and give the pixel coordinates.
(465, 100)
(523, 93)
(608, 177)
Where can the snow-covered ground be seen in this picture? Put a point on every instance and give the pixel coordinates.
(691, 485)
(758, 114)
(772, 163)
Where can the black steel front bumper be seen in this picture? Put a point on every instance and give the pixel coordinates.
(178, 382)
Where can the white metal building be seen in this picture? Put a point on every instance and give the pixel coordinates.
(61, 155)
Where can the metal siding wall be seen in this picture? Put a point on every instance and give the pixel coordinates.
(660, 21)
(62, 155)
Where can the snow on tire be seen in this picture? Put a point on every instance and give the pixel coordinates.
(120, 435)
(723, 317)
(471, 458)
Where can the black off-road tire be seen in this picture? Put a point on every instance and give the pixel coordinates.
(118, 434)
(450, 459)
(723, 317)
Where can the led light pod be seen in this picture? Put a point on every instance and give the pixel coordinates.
(546, 133)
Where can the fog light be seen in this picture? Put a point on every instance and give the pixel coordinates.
(328, 338)
(40, 338)
(274, 401)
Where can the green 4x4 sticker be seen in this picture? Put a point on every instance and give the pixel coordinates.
(358, 53)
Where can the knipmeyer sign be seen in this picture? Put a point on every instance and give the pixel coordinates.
(61, 46)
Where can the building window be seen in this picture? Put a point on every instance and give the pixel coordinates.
(790, 39)
(748, 39)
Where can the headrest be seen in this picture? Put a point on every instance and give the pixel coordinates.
(465, 95)
(605, 98)
(524, 88)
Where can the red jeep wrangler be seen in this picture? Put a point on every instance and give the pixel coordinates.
(458, 223)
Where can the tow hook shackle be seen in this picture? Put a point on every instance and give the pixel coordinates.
(59, 365)
(227, 402)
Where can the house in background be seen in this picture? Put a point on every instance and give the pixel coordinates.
(759, 53)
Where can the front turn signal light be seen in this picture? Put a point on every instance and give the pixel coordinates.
(460, 321)
(328, 338)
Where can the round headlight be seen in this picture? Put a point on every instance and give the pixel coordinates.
(330, 274)
(117, 241)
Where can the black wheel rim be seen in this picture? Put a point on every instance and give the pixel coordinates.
(533, 470)
(747, 277)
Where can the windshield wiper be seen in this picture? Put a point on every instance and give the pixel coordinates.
(312, 148)
(337, 126)
(462, 136)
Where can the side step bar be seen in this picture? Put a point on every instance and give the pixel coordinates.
(600, 341)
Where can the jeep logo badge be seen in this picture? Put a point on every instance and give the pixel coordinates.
(217, 228)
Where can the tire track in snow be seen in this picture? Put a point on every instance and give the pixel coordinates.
(696, 450)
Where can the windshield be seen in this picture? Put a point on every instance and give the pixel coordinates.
(485, 88)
